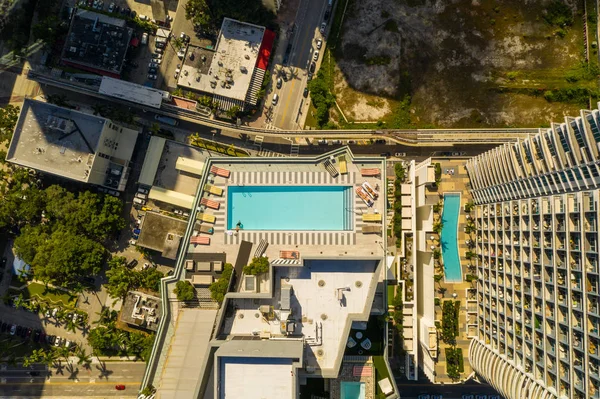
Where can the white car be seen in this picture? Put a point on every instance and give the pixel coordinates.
(142, 190)
(54, 312)
(157, 55)
(315, 55)
(111, 7)
(58, 341)
(319, 43)
(181, 53)
(142, 17)
(145, 38)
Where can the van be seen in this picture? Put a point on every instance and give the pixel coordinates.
(275, 99)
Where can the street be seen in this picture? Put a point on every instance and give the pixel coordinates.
(412, 390)
(70, 379)
(308, 20)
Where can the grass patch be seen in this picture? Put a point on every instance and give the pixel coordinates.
(52, 295)
(218, 147)
(381, 371)
(391, 294)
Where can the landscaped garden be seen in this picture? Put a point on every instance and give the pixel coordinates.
(50, 295)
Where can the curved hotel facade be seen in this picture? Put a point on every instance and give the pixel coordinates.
(537, 246)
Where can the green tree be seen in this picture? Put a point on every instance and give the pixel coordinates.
(232, 112)
(9, 114)
(150, 278)
(219, 288)
(198, 12)
(120, 280)
(101, 339)
(60, 257)
(83, 358)
(184, 291)
(258, 265)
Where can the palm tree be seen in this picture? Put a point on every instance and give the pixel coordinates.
(83, 358)
(70, 326)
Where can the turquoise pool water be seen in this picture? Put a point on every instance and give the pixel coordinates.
(352, 390)
(449, 238)
(290, 208)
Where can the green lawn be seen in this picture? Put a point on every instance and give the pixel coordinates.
(390, 292)
(381, 372)
(52, 295)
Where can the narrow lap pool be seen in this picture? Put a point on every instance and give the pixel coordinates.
(352, 390)
(290, 208)
(449, 238)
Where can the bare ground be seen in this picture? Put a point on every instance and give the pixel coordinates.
(457, 54)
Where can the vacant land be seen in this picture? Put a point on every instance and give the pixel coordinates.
(465, 63)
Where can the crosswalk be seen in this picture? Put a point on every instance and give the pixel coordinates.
(268, 153)
(271, 126)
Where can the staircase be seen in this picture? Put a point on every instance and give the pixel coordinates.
(255, 84)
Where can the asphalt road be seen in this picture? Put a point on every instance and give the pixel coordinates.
(308, 20)
(412, 390)
(72, 380)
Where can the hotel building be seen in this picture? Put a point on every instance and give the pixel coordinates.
(537, 246)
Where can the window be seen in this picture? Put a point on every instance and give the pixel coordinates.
(563, 140)
(578, 134)
(594, 126)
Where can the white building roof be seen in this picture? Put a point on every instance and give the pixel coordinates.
(233, 62)
(189, 165)
(133, 92)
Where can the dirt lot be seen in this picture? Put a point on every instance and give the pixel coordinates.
(465, 63)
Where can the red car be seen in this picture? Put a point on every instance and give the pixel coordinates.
(120, 387)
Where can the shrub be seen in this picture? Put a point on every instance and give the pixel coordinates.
(453, 363)
(219, 288)
(558, 14)
(184, 290)
(470, 278)
(400, 172)
(257, 266)
(450, 310)
(438, 173)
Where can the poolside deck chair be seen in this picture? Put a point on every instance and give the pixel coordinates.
(372, 229)
(206, 217)
(343, 165)
(261, 248)
(374, 194)
(209, 203)
(330, 168)
(209, 188)
(370, 172)
(289, 254)
(202, 240)
(220, 171)
(364, 196)
(371, 217)
(207, 229)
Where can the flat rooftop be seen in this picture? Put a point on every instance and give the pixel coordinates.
(256, 378)
(55, 140)
(232, 63)
(162, 233)
(316, 309)
(97, 41)
(169, 177)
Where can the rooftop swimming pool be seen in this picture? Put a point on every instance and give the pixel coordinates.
(449, 238)
(352, 390)
(290, 208)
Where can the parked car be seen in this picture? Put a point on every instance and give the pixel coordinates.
(184, 37)
(141, 196)
(13, 329)
(327, 14)
(181, 53)
(142, 190)
(315, 55)
(139, 201)
(279, 83)
(157, 56)
(151, 76)
(312, 67)
(137, 231)
(111, 7)
(380, 141)
(305, 93)
(145, 38)
(323, 27)
(57, 341)
(143, 17)
(275, 99)
(132, 264)
(152, 71)
(319, 43)
(322, 142)
(400, 154)
(152, 65)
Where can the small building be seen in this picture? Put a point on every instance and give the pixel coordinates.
(141, 310)
(133, 92)
(233, 73)
(97, 43)
(72, 144)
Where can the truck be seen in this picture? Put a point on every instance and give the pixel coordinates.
(166, 120)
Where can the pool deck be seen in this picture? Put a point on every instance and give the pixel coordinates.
(454, 183)
(319, 244)
(346, 374)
